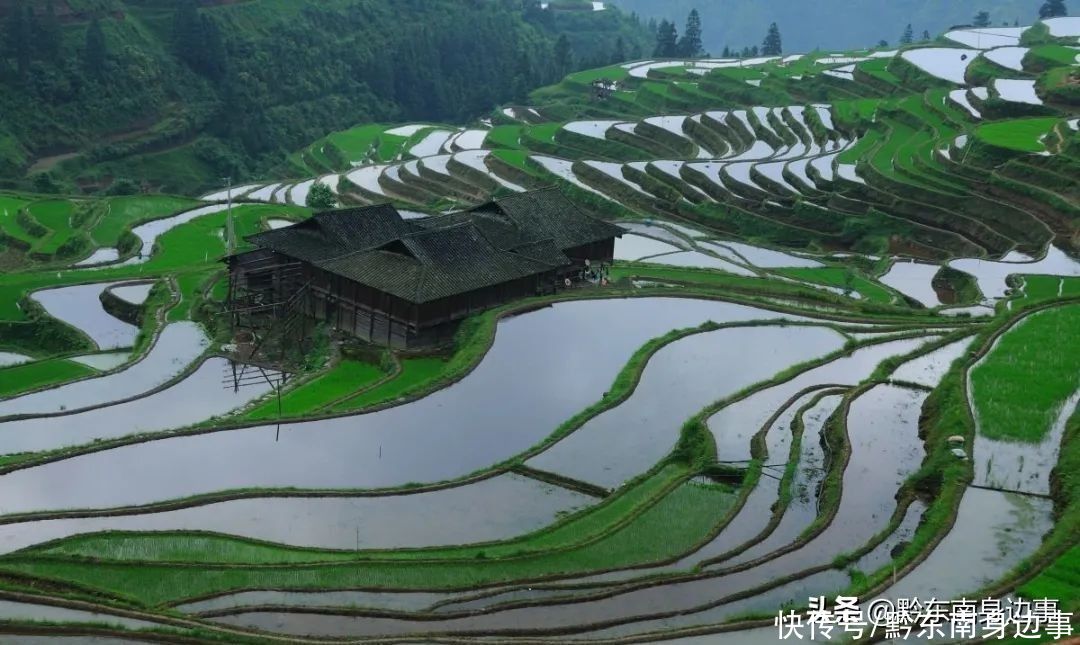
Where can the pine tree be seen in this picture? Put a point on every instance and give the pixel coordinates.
(619, 55)
(926, 34)
(95, 51)
(17, 38)
(321, 197)
(50, 37)
(909, 35)
(532, 10)
(982, 19)
(214, 57)
(197, 40)
(690, 43)
(773, 46)
(185, 28)
(667, 40)
(726, 53)
(564, 57)
(1053, 9)
(754, 50)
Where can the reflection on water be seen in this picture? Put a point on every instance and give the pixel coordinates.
(679, 380)
(177, 346)
(80, 306)
(913, 280)
(493, 509)
(199, 396)
(993, 532)
(991, 275)
(551, 363)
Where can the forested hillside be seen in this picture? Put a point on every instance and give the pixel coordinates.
(836, 24)
(113, 94)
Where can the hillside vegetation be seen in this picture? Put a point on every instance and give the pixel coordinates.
(826, 24)
(164, 94)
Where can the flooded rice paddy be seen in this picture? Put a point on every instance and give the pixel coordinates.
(679, 380)
(199, 396)
(177, 346)
(767, 554)
(463, 427)
(885, 449)
(80, 306)
(493, 509)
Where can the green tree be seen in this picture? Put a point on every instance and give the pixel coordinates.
(667, 40)
(619, 55)
(981, 19)
(17, 38)
(926, 34)
(185, 25)
(882, 43)
(564, 56)
(773, 45)
(908, 36)
(197, 40)
(690, 43)
(321, 197)
(45, 183)
(726, 53)
(49, 36)
(95, 51)
(1053, 9)
(533, 11)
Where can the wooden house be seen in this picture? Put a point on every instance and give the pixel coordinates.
(407, 282)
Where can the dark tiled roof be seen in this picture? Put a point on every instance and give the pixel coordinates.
(546, 251)
(434, 264)
(549, 214)
(424, 260)
(336, 233)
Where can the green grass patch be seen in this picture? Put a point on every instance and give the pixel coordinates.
(128, 211)
(878, 68)
(9, 224)
(860, 149)
(856, 111)
(613, 72)
(1039, 288)
(1020, 386)
(1060, 581)
(416, 374)
(390, 146)
(666, 529)
(544, 131)
(343, 378)
(505, 136)
(356, 143)
(843, 278)
(29, 376)
(516, 158)
(55, 215)
(190, 286)
(1017, 134)
(1055, 54)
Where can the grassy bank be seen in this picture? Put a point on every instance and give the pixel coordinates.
(1020, 386)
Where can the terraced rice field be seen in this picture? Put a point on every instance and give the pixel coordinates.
(835, 354)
